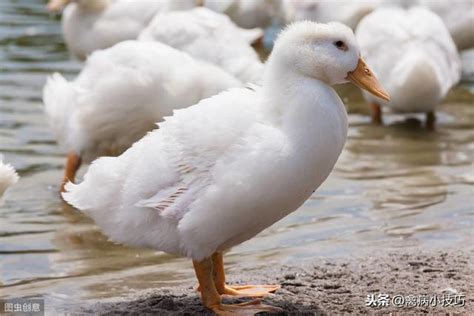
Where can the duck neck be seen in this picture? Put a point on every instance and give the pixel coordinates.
(93, 5)
(301, 105)
(277, 88)
(287, 91)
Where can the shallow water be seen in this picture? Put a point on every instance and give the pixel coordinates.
(394, 186)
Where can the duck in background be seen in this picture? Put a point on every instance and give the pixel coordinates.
(210, 36)
(121, 93)
(89, 25)
(458, 17)
(348, 12)
(216, 174)
(8, 177)
(249, 13)
(413, 55)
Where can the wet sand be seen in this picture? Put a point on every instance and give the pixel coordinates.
(335, 287)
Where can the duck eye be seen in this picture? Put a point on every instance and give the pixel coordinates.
(340, 45)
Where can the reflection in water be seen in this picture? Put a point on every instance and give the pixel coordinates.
(394, 186)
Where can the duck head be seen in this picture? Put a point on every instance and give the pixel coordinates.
(326, 52)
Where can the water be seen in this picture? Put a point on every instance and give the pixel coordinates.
(394, 186)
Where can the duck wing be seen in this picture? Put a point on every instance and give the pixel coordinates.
(192, 157)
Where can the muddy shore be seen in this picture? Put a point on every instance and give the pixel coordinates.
(441, 281)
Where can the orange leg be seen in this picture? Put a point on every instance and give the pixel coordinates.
(72, 165)
(258, 43)
(376, 113)
(242, 290)
(430, 120)
(211, 298)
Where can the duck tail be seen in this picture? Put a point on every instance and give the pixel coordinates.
(58, 99)
(103, 179)
(8, 177)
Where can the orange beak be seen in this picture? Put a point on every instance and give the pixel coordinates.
(365, 79)
(57, 5)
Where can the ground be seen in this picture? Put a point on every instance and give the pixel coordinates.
(337, 286)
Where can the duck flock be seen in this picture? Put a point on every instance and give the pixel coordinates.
(194, 145)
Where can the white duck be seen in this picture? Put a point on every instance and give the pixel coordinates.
(89, 25)
(414, 57)
(209, 36)
(8, 177)
(121, 93)
(216, 174)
